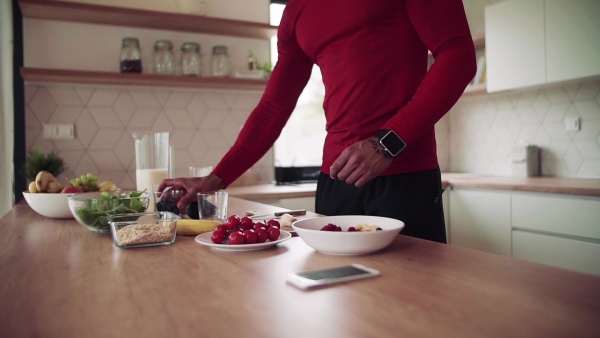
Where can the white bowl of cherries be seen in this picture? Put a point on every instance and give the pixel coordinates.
(348, 235)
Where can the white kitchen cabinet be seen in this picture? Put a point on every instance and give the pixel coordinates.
(558, 230)
(536, 42)
(480, 219)
(515, 49)
(572, 39)
(568, 215)
(567, 253)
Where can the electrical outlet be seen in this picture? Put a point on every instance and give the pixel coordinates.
(56, 131)
(572, 123)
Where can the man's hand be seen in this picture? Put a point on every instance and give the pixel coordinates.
(193, 185)
(361, 162)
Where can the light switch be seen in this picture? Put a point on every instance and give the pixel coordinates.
(56, 131)
(572, 123)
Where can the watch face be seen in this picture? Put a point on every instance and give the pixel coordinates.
(393, 143)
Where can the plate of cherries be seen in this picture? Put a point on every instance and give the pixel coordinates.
(244, 234)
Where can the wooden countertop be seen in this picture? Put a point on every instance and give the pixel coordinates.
(268, 191)
(61, 280)
(544, 184)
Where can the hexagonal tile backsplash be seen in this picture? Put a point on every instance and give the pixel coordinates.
(203, 125)
(483, 129)
(475, 137)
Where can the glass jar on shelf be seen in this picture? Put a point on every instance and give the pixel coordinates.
(220, 64)
(164, 60)
(191, 62)
(131, 56)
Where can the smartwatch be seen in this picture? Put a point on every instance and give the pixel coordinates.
(391, 142)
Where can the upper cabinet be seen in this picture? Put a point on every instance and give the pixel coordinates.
(572, 39)
(536, 42)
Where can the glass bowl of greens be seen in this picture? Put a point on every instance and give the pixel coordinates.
(92, 209)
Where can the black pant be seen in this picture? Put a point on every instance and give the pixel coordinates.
(414, 198)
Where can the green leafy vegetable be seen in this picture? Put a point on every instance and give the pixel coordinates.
(96, 211)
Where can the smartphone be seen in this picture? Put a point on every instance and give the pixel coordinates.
(309, 279)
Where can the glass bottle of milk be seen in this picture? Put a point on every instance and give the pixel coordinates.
(153, 158)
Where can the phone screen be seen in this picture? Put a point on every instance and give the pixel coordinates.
(344, 271)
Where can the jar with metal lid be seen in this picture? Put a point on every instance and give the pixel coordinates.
(164, 60)
(220, 65)
(131, 56)
(191, 62)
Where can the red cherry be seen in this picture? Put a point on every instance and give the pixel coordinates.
(261, 223)
(274, 222)
(258, 226)
(222, 227)
(233, 221)
(244, 221)
(236, 237)
(217, 237)
(250, 237)
(262, 235)
(273, 233)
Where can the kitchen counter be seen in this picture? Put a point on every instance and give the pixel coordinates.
(544, 184)
(61, 280)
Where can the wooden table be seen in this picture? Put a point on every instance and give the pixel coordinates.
(61, 280)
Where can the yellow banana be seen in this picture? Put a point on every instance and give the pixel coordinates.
(193, 227)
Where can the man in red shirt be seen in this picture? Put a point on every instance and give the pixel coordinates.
(381, 104)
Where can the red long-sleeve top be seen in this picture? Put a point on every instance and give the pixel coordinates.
(373, 59)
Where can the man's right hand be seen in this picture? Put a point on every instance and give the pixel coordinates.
(193, 185)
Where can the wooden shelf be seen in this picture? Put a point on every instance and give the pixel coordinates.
(120, 16)
(480, 88)
(479, 41)
(44, 75)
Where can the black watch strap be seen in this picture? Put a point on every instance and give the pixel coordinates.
(392, 143)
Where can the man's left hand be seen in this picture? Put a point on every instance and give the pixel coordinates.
(361, 162)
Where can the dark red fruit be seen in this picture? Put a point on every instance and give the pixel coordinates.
(273, 233)
(245, 221)
(222, 227)
(262, 235)
(218, 237)
(233, 221)
(250, 237)
(236, 237)
(274, 222)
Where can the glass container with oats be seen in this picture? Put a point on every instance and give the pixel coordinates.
(144, 229)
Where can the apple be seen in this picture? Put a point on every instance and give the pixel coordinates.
(71, 189)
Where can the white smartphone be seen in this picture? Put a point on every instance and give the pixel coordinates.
(309, 279)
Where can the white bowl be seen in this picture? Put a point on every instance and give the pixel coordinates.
(49, 205)
(344, 242)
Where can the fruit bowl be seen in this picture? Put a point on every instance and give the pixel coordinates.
(91, 209)
(52, 205)
(344, 242)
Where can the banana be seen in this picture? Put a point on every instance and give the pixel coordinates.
(193, 227)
